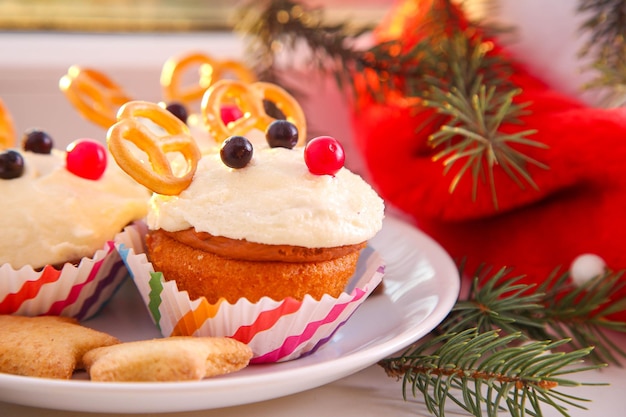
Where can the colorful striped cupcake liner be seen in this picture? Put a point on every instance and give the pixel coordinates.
(74, 291)
(275, 330)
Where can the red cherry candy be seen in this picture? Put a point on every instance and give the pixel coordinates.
(324, 155)
(86, 158)
(230, 113)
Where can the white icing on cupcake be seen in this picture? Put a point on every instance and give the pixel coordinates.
(273, 200)
(50, 216)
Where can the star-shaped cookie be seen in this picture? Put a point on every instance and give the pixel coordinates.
(46, 346)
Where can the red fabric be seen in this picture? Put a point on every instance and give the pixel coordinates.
(579, 207)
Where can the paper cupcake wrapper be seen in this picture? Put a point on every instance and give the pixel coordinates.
(276, 331)
(74, 291)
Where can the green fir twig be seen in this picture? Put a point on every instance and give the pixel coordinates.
(469, 88)
(508, 345)
(556, 309)
(606, 47)
(473, 137)
(493, 372)
(584, 313)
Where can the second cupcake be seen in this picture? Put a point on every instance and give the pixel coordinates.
(61, 212)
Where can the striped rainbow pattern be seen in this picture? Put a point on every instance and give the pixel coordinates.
(275, 330)
(74, 291)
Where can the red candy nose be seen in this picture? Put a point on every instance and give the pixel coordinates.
(230, 113)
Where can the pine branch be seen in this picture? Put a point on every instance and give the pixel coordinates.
(283, 25)
(491, 374)
(556, 309)
(475, 109)
(509, 344)
(606, 26)
(482, 146)
(499, 303)
(583, 313)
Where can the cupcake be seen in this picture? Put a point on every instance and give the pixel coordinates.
(60, 214)
(262, 244)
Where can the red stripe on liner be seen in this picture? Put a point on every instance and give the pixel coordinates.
(29, 290)
(266, 320)
(58, 306)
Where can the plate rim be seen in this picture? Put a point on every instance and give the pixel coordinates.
(350, 363)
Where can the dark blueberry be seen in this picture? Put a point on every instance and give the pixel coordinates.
(11, 165)
(272, 110)
(178, 110)
(37, 141)
(236, 152)
(281, 134)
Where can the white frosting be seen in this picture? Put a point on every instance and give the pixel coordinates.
(50, 216)
(273, 200)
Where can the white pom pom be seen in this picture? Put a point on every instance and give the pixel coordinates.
(585, 267)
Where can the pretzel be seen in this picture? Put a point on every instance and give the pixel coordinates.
(210, 71)
(158, 175)
(94, 95)
(7, 131)
(249, 98)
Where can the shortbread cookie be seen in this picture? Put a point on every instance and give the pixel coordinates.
(168, 359)
(46, 346)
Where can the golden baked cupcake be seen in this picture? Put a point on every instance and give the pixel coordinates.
(60, 214)
(255, 233)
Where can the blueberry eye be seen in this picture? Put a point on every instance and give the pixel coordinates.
(178, 110)
(236, 152)
(11, 165)
(37, 141)
(281, 134)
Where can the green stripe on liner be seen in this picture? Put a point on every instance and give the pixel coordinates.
(156, 286)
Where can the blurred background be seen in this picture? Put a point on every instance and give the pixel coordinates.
(130, 41)
(152, 15)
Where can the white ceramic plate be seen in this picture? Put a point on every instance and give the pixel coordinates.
(421, 285)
